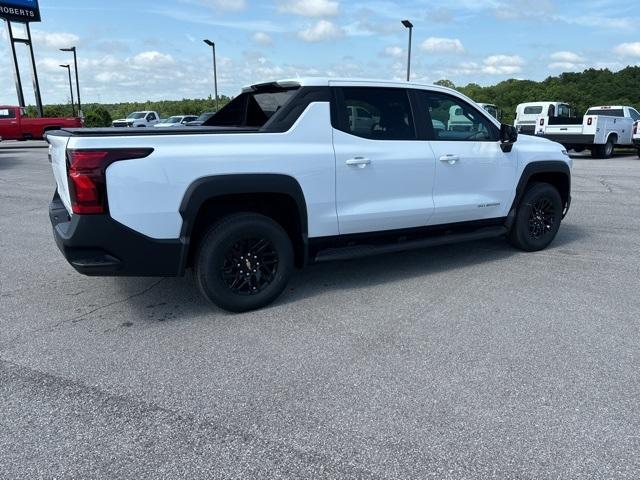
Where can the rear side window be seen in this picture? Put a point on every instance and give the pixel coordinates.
(6, 113)
(375, 113)
(252, 109)
(533, 110)
(609, 112)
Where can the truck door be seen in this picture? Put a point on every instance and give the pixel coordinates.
(475, 179)
(384, 174)
(9, 124)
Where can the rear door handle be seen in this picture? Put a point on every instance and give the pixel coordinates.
(450, 158)
(358, 162)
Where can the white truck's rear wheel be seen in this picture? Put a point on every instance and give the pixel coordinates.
(244, 262)
(604, 151)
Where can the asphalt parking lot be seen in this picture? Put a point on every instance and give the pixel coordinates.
(466, 361)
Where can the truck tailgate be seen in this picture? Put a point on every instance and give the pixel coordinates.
(58, 157)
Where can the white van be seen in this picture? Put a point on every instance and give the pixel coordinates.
(530, 114)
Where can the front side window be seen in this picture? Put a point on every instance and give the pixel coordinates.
(375, 113)
(453, 119)
(634, 114)
(7, 113)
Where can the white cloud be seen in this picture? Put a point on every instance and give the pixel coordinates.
(230, 5)
(628, 50)
(311, 8)
(54, 40)
(323, 30)
(567, 57)
(442, 45)
(502, 64)
(567, 61)
(152, 59)
(262, 38)
(394, 52)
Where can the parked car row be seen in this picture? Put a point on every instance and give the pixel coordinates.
(152, 119)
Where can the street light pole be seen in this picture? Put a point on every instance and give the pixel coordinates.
(215, 71)
(408, 25)
(75, 64)
(73, 108)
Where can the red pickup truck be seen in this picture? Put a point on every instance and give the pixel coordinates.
(14, 125)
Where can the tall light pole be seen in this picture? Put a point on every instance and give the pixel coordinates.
(408, 25)
(215, 71)
(75, 64)
(73, 108)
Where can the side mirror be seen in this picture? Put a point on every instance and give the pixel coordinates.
(508, 136)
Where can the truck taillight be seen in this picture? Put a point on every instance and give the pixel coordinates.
(87, 176)
(542, 122)
(589, 121)
(635, 128)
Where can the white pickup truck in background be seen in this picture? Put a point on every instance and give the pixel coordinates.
(531, 117)
(600, 130)
(138, 119)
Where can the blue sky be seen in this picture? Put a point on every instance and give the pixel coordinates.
(152, 49)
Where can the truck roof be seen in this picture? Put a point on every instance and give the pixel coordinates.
(610, 107)
(324, 82)
(528, 104)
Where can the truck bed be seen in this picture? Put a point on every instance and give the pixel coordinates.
(147, 132)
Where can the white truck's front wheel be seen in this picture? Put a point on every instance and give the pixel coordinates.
(244, 262)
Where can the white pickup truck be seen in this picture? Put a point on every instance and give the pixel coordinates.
(138, 119)
(284, 175)
(530, 117)
(600, 130)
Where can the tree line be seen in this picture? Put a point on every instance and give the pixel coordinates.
(582, 90)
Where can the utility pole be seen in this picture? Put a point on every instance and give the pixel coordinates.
(73, 108)
(215, 71)
(408, 25)
(75, 64)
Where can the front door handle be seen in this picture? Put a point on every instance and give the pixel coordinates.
(360, 162)
(450, 159)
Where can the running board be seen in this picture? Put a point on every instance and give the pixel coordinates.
(360, 251)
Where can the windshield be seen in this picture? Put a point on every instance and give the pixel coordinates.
(136, 115)
(252, 109)
(173, 120)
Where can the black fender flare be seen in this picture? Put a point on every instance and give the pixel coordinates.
(207, 188)
(535, 168)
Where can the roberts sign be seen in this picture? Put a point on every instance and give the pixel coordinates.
(20, 10)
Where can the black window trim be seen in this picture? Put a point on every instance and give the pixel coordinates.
(424, 127)
(341, 122)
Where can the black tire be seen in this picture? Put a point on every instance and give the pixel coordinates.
(229, 279)
(538, 218)
(604, 151)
